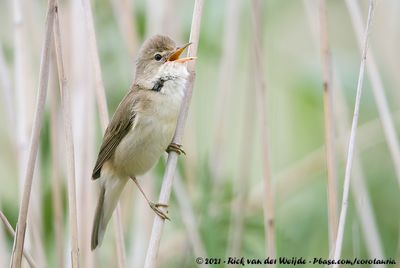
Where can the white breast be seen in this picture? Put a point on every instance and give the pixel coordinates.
(152, 132)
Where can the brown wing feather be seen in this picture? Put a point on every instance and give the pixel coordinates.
(119, 126)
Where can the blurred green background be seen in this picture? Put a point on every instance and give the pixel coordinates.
(218, 140)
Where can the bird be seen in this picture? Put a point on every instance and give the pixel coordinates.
(141, 128)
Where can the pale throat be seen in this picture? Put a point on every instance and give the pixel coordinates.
(171, 80)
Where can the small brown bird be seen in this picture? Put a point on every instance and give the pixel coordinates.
(142, 126)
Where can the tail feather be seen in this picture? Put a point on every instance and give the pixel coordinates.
(109, 195)
(97, 219)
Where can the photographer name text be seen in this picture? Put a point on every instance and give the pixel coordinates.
(292, 261)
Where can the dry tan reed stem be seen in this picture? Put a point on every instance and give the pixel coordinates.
(20, 92)
(119, 237)
(352, 139)
(377, 89)
(124, 15)
(69, 142)
(241, 189)
(55, 171)
(188, 218)
(142, 219)
(24, 109)
(225, 88)
(269, 215)
(359, 189)
(104, 118)
(81, 84)
(366, 214)
(99, 86)
(34, 143)
(10, 230)
(155, 239)
(333, 202)
(154, 16)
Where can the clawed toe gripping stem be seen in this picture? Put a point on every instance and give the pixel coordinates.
(177, 148)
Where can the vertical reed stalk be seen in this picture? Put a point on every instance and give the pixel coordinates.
(359, 188)
(69, 142)
(225, 86)
(126, 22)
(82, 102)
(34, 142)
(99, 86)
(155, 239)
(238, 208)
(10, 230)
(24, 93)
(119, 237)
(329, 123)
(378, 90)
(154, 16)
(188, 217)
(142, 218)
(104, 119)
(20, 93)
(56, 182)
(269, 214)
(350, 154)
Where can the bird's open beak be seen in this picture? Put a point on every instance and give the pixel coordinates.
(178, 52)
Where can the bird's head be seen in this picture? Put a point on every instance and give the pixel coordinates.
(159, 59)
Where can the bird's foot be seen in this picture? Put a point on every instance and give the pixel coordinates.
(177, 148)
(156, 208)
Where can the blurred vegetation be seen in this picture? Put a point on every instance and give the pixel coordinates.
(296, 128)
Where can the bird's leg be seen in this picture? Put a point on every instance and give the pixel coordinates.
(154, 206)
(174, 147)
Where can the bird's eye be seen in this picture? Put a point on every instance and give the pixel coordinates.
(157, 57)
